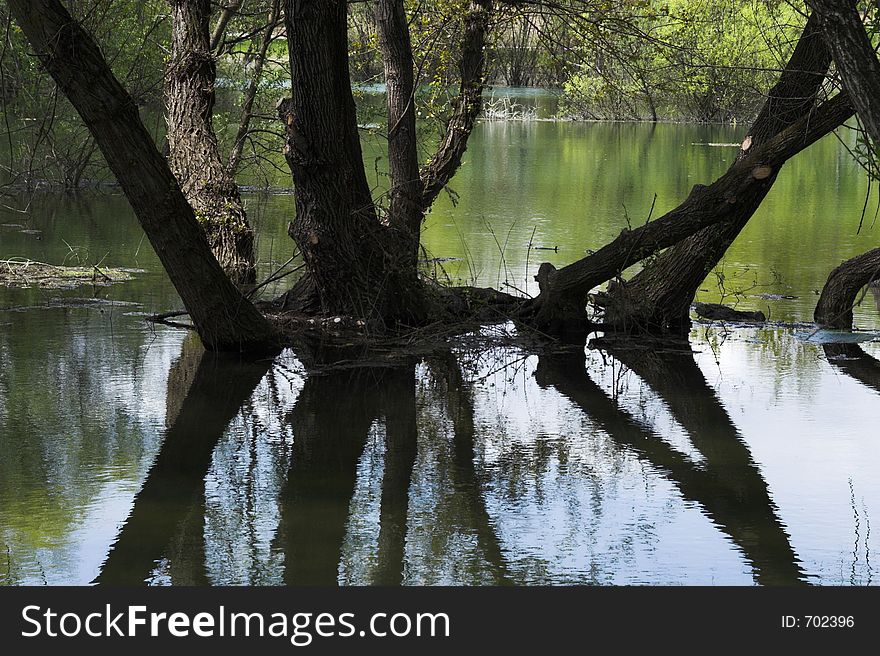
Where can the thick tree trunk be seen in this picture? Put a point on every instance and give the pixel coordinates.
(840, 293)
(224, 319)
(405, 210)
(356, 265)
(564, 292)
(658, 299)
(195, 154)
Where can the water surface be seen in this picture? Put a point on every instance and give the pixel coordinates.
(749, 457)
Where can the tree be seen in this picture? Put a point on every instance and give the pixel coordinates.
(859, 68)
(224, 319)
(658, 298)
(362, 259)
(194, 153)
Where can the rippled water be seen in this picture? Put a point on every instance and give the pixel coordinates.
(749, 456)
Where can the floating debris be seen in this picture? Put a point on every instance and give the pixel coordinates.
(778, 297)
(716, 145)
(26, 273)
(72, 303)
(823, 336)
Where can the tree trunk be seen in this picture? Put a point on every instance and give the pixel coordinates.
(839, 295)
(194, 152)
(437, 173)
(356, 265)
(855, 58)
(658, 299)
(737, 193)
(405, 210)
(224, 319)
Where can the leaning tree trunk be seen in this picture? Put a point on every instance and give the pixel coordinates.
(224, 319)
(658, 299)
(855, 58)
(194, 152)
(840, 293)
(564, 292)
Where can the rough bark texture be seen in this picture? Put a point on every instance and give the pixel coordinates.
(437, 173)
(735, 194)
(194, 152)
(855, 58)
(405, 209)
(224, 319)
(840, 293)
(356, 265)
(859, 69)
(658, 299)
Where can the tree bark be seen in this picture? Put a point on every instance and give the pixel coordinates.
(859, 69)
(658, 299)
(356, 265)
(405, 211)
(855, 58)
(839, 295)
(194, 152)
(224, 319)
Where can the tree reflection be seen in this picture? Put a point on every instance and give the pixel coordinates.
(852, 360)
(728, 485)
(205, 392)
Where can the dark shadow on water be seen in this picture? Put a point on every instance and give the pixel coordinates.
(331, 421)
(852, 360)
(727, 485)
(205, 393)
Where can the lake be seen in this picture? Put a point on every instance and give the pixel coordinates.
(751, 457)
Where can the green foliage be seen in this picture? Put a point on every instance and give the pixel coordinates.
(702, 60)
(45, 141)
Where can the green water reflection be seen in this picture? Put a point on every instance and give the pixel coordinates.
(130, 456)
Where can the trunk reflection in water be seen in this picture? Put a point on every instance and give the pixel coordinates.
(455, 470)
(727, 484)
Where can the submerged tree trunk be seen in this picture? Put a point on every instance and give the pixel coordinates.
(195, 154)
(224, 319)
(840, 293)
(658, 299)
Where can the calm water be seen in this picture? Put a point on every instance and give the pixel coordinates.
(129, 455)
